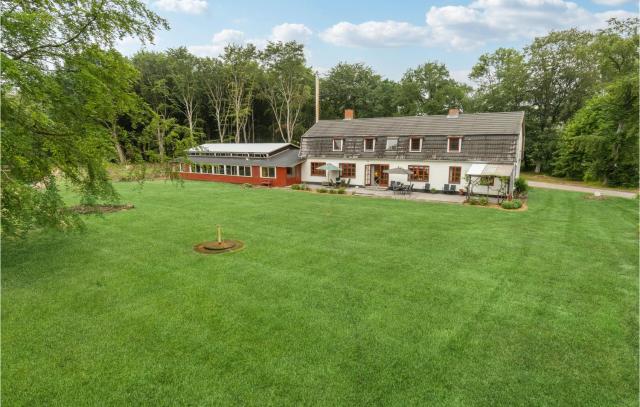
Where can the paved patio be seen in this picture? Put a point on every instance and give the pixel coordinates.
(415, 196)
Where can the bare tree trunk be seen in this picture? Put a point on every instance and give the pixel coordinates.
(160, 136)
(114, 136)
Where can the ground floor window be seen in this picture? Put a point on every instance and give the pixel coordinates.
(244, 170)
(268, 172)
(454, 175)
(348, 170)
(218, 169)
(487, 181)
(290, 172)
(315, 171)
(231, 170)
(419, 173)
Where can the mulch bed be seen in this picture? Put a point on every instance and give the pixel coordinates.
(87, 209)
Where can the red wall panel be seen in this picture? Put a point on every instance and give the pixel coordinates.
(281, 179)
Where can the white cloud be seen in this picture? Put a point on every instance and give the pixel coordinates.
(290, 32)
(182, 6)
(611, 2)
(218, 42)
(283, 32)
(472, 25)
(490, 20)
(374, 34)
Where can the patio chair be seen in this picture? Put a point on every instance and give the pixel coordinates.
(453, 189)
(346, 185)
(445, 189)
(410, 189)
(392, 185)
(427, 187)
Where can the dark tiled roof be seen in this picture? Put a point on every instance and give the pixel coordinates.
(287, 158)
(433, 125)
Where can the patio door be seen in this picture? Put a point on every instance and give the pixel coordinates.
(374, 175)
(380, 177)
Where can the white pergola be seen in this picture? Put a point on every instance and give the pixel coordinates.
(476, 171)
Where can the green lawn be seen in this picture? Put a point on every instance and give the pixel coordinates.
(336, 300)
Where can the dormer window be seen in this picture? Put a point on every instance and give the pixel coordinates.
(415, 144)
(392, 143)
(454, 144)
(369, 144)
(337, 144)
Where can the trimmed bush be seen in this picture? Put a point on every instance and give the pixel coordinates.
(341, 191)
(515, 204)
(321, 190)
(295, 187)
(433, 190)
(333, 191)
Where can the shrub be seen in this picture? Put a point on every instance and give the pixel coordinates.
(341, 191)
(515, 204)
(433, 190)
(521, 186)
(303, 187)
(247, 185)
(479, 201)
(321, 190)
(295, 187)
(333, 191)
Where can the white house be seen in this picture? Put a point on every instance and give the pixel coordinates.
(438, 150)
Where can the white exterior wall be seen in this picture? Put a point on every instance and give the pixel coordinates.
(438, 172)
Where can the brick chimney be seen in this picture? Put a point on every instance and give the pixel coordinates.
(453, 113)
(348, 114)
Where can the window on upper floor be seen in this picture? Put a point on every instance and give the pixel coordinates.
(415, 144)
(337, 144)
(454, 144)
(369, 144)
(392, 143)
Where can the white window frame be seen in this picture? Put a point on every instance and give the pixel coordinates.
(217, 166)
(386, 147)
(245, 166)
(274, 172)
(449, 150)
(333, 144)
(231, 172)
(365, 145)
(411, 150)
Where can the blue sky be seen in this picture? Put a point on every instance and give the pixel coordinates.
(389, 36)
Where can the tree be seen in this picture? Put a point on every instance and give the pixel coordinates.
(214, 77)
(601, 140)
(349, 86)
(153, 87)
(562, 76)
(429, 89)
(501, 79)
(241, 63)
(185, 87)
(287, 84)
(45, 131)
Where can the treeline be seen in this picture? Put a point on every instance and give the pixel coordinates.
(70, 102)
(578, 89)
